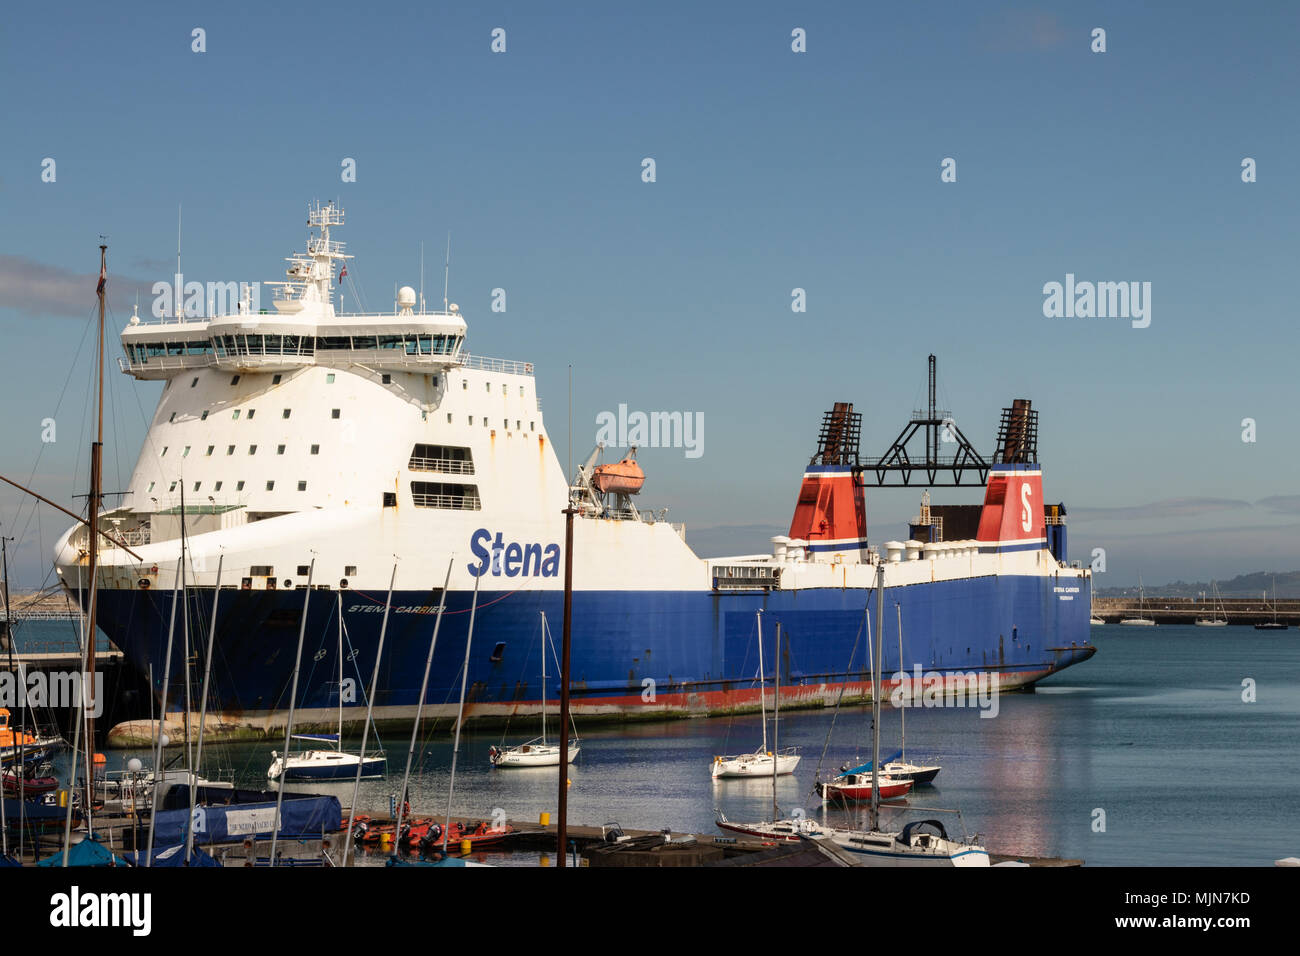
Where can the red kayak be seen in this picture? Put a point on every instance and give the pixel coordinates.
(856, 787)
(28, 786)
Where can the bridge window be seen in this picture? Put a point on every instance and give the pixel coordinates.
(150, 488)
(315, 449)
(209, 452)
(196, 485)
(279, 449)
(436, 494)
(164, 452)
(386, 379)
(335, 412)
(172, 418)
(252, 449)
(251, 413)
(172, 487)
(234, 380)
(270, 486)
(239, 486)
(186, 452)
(329, 378)
(287, 411)
(234, 416)
(275, 380)
(302, 486)
(217, 486)
(230, 449)
(204, 416)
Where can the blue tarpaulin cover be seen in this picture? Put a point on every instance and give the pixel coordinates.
(303, 817)
(86, 853)
(173, 856)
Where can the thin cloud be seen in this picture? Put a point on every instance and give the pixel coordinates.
(1281, 504)
(1167, 508)
(1018, 30)
(46, 291)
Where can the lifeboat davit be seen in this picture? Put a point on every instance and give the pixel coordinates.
(625, 478)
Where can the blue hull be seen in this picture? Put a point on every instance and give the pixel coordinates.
(634, 652)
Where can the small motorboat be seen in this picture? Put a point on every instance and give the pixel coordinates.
(33, 786)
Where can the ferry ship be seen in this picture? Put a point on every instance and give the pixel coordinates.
(317, 451)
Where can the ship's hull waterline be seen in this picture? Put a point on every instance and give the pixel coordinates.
(636, 655)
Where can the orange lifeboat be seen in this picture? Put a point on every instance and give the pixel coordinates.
(625, 478)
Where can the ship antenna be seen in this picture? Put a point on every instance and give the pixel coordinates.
(422, 277)
(179, 293)
(446, 273)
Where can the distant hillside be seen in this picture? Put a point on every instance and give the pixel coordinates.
(1242, 586)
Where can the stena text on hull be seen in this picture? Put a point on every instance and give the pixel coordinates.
(313, 446)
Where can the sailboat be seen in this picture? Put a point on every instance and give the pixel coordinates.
(920, 842)
(1093, 619)
(1214, 620)
(1275, 624)
(1141, 620)
(760, 762)
(900, 769)
(327, 763)
(536, 752)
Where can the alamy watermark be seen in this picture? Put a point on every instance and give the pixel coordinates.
(1099, 300)
(933, 689)
(52, 690)
(652, 430)
(195, 300)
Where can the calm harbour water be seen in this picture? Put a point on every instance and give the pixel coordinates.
(1153, 731)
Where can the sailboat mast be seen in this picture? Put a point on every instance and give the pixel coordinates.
(902, 711)
(875, 698)
(162, 720)
(288, 726)
(776, 716)
(566, 647)
(543, 613)
(762, 682)
(370, 710)
(339, 743)
(419, 706)
(207, 667)
(96, 500)
(460, 715)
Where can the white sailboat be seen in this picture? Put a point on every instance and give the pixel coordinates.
(1215, 620)
(900, 769)
(760, 762)
(536, 752)
(1141, 620)
(327, 763)
(920, 842)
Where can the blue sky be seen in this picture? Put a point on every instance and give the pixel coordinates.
(775, 170)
